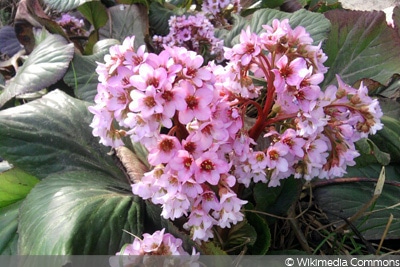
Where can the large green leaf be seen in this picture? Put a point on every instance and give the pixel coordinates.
(64, 5)
(345, 198)
(8, 229)
(47, 64)
(316, 24)
(52, 134)
(78, 212)
(82, 76)
(15, 184)
(124, 21)
(361, 45)
(95, 12)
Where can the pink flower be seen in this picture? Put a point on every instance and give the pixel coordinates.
(197, 101)
(210, 168)
(200, 224)
(147, 103)
(150, 77)
(292, 72)
(230, 208)
(248, 48)
(293, 142)
(175, 206)
(166, 150)
(276, 157)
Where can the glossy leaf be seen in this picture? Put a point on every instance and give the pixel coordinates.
(82, 76)
(158, 18)
(95, 12)
(361, 45)
(8, 229)
(124, 21)
(15, 185)
(64, 5)
(52, 134)
(345, 198)
(47, 64)
(78, 212)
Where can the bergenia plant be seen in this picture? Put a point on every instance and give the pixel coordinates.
(197, 128)
(190, 116)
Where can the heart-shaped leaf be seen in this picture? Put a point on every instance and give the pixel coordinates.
(47, 64)
(8, 229)
(78, 212)
(52, 134)
(15, 184)
(361, 45)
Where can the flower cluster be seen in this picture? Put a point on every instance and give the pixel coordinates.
(216, 8)
(191, 119)
(161, 244)
(72, 25)
(144, 92)
(195, 32)
(310, 133)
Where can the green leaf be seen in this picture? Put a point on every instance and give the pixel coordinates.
(95, 12)
(271, 3)
(15, 184)
(104, 45)
(316, 24)
(47, 64)
(126, 21)
(240, 236)
(82, 76)
(52, 134)
(388, 139)
(360, 45)
(370, 153)
(346, 197)
(64, 5)
(78, 212)
(8, 229)
(158, 18)
(263, 241)
(210, 248)
(277, 200)
(391, 89)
